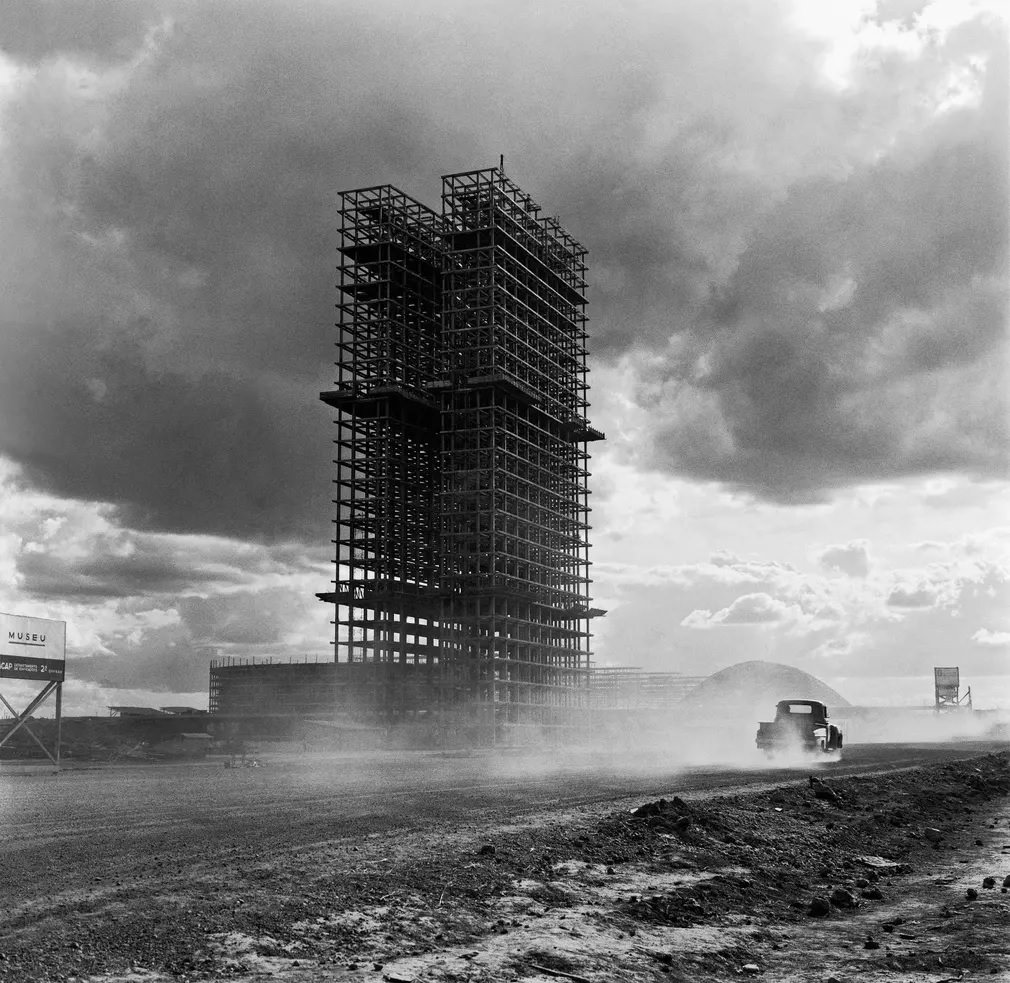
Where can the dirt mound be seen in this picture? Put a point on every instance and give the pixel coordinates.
(757, 686)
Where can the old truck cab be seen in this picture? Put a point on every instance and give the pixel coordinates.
(799, 725)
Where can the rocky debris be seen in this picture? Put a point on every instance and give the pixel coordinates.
(672, 908)
(822, 790)
(840, 898)
(988, 883)
(933, 835)
(649, 809)
(1006, 881)
(734, 833)
(559, 974)
(971, 894)
(881, 865)
(674, 816)
(983, 783)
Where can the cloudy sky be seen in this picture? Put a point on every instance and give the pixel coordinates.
(797, 221)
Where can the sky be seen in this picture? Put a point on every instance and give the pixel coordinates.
(796, 216)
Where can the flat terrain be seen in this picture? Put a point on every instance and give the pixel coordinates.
(421, 867)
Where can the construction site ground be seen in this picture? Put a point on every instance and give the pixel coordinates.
(893, 864)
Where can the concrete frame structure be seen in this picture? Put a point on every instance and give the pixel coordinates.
(462, 552)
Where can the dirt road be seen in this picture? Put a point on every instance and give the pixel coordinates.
(119, 816)
(199, 872)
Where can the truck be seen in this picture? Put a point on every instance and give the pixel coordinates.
(799, 725)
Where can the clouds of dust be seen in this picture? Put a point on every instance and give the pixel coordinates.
(902, 725)
(365, 762)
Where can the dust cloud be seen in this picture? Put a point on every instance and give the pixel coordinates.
(621, 745)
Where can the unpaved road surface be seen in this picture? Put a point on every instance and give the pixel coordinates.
(424, 867)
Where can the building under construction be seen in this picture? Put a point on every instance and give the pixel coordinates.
(462, 554)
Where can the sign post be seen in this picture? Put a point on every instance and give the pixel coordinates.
(34, 648)
(947, 683)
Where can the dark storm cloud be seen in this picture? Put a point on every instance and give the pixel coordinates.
(168, 322)
(210, 452)
(861, 336)
(857, 329)
(104, 576)
(115, 563)
(802, 282)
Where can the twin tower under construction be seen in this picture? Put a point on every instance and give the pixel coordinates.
(462, 589)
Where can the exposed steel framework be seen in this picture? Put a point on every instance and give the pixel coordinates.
(462, 479)
(628, 688)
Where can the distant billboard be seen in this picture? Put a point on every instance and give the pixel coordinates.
(947, 677)
(32, 648)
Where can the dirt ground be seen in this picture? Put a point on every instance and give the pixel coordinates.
(902, 876)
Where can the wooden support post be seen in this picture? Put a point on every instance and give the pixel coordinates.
(23, 718)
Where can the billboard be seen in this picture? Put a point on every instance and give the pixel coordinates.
(947, 676)
(32, 648)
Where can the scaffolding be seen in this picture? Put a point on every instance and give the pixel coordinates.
(625, 689)
(388, 353)
(462, 458)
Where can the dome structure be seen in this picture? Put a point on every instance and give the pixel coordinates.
(756, 686)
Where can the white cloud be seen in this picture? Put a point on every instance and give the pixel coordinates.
(895, 618)
(748, 609)
(852, 558)
(146, 611)
(919, 596)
